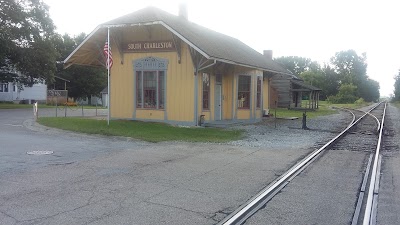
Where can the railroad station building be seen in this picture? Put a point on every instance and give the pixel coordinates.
(168, 69)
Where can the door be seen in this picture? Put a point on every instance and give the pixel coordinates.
(218, 101)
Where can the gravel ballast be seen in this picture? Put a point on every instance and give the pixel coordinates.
(281, 133)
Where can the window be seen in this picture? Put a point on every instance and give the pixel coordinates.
(150, 82)
(244, 92)
(3, 87)
(258, 104)
(150, 89)
(161, 82)
(206, 91)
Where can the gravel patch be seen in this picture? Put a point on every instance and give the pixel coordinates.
(281, 133)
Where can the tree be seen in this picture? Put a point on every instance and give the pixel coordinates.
(330, 83)
(369, 90)
(84, 81)
(346, 94)
(27, 53)
(397, 87)
(297, 65)
(352, 69)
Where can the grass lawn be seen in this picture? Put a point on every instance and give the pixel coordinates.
(397, 104)
(324, 109)
(147, 131)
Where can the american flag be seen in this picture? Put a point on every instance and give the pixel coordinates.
(108, 54)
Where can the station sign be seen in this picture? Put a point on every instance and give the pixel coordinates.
(150, 46)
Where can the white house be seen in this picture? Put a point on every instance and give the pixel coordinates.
(10, 92)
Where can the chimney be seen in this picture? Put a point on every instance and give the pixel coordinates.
(268, 54)
(183, 11)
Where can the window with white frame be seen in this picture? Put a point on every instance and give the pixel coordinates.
(244, 92)
(150, 82)
(3, 87)
(150, 89)
(258, 103)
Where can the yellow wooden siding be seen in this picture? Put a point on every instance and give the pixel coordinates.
(150, 114)
(227, 86)
(121, 97)
(243, 114)
(212, 97)
(179, 78)
(265, 90)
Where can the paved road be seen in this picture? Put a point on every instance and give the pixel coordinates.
(101, 180)
(389, 191)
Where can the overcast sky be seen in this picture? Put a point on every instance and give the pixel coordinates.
(315, 29)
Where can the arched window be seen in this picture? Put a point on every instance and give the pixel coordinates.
(150, 75)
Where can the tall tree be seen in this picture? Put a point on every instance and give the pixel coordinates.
(331, 82)
(27, 53)
(397, 87)
(369, 90)
(351, 67)
(296, 64)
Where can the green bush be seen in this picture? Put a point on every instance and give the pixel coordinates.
(346, 94)
(6, 102)
(359, 101)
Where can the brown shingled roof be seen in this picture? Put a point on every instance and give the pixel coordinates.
(211, 44)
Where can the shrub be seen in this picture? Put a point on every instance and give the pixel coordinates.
(359, 101)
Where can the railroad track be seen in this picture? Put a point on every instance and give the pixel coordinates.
(352, 138)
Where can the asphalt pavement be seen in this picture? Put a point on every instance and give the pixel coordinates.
(105, 180)
(92, 179)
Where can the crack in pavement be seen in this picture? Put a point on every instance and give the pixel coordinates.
(203, 214)
(9, 216)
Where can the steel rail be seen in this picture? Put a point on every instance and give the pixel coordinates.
(348, 110)
(374, 184)
(373, 116)
(240, 215)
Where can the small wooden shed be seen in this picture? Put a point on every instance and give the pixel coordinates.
(291, 90)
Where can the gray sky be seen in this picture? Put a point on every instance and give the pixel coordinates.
(308, 28)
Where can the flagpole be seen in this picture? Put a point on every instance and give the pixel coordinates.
(108, 76)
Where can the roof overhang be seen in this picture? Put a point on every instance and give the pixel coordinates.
(89, 52)
(306, 87)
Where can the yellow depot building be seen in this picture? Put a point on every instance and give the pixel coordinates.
(168, 69)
